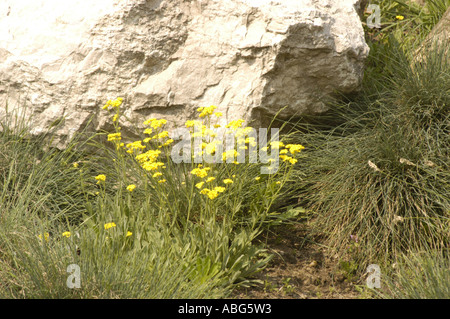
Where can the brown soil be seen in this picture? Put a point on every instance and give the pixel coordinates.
(302, 268)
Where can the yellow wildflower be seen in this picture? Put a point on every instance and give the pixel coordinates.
(168, 142)
(227, 181)
(210, 179)
(66, 234)
(192, 123)
(212, 194)
(399, 17)
(257, 178)
(251, 141)
(117, 102)
(162, 181)
(100, 178)
(243, 131)
(200, 172)
(235, 124)
(107, 105)
(148, 166)
(136, 145)
(199, 185)
(114, 137)
(109, 225)
(295, 148)
(149, 156)
(276, 144)
(131, 187)
(129, 234)
(206, 111)
(211, 147)
(149, 121)
(230, 154)
(157, 174)
(219, 189)
(46, 235)
(154, 123)
(162, 134)
(75, 165)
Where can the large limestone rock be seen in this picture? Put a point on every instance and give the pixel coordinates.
(251, 58)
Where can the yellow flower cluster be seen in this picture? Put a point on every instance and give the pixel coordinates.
(289, 148)
(190, 123)
(109, 225)
(212, 193)
(163, 134)
(289, 159)
(276, 144)
(149, 161)
(168, 142)
(113, 103)
(114, 137)
(46, 236)
(235, 124)
(294, 148)
(152, 166)
(131, 187)
(233, 154)
(149, 156)
(137, 145)
(100, 178)
(154, 123)
(200, 172)
(207, 111)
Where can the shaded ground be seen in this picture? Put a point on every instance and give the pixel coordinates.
(301, 269)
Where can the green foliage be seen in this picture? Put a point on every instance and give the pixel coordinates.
(419, 275)
(407, 21)
(377, 164)
(133, 234)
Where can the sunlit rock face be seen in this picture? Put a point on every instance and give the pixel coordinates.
(62, 60)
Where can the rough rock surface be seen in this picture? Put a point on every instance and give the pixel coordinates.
(251, 58)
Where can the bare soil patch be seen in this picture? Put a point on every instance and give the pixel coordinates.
(301, 269)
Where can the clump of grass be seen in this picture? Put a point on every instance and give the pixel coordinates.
(407, 21)
(419, 275)
(379, 170)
